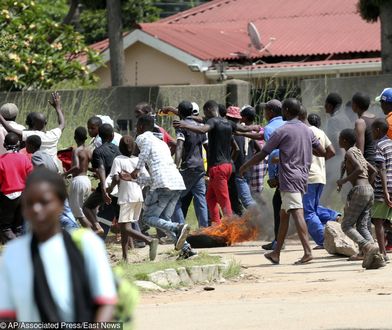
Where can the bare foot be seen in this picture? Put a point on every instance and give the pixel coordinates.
(272, 257)
(305, 259)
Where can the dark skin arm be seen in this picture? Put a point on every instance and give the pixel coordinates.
(360, 128)
(115, 182)
(256, 159)
(372, 173)
(56, 104)
(100, 171)
(179, 150)
(193, 128)
(9, 128)
(330, 152)
(235, 149)
(319, 151)
(251, 135)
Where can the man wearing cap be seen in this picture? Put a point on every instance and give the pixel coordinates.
(9, 111)
(189, 160)
(385, 98)
(220, 165)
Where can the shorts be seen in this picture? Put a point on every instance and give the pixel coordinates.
(291, 200)
(130, 212)
(78, 193)
(380, 210)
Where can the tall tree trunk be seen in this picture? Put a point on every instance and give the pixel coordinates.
(73, 6)
(117, 61)
(386, 35)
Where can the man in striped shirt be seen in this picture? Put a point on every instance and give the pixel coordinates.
(381, 211)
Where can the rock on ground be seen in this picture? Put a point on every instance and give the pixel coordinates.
(336, 242)
(146, 285)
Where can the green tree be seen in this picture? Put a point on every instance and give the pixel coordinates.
(93, 22)
(36, 51)
(371, 11)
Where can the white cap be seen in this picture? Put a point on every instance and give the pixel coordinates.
(106, 120)
(195, 109)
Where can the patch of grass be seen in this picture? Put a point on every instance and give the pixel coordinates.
(233, 269)
(140, 271)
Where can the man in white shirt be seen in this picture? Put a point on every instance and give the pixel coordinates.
(49, 139)
(316, 216)
(9, 111)
(165, 181)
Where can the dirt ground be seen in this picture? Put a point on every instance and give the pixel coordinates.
(329, 293)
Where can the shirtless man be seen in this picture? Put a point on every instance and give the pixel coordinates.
(80, 185)
(359, 199)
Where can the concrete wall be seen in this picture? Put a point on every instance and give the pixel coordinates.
(118, 103)
(314, 91)
(145, 66)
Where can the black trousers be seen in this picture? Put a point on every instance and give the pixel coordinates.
(11, 222)
(276, 204)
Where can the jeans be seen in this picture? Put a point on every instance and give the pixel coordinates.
(218, 191)
(244, 191)
(159, 208)
(67, 219)
(195, 184)
(316, 216)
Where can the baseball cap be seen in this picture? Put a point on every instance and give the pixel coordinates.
(195, 110)
(233, 112)
(385, 96)
(9, 111)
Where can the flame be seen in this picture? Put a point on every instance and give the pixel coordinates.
(235, 229)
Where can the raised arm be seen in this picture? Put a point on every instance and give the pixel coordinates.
(55, 102)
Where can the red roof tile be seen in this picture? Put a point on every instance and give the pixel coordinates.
(303, 64)
(218, 29)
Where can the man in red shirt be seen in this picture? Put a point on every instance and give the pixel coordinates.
(14, 169)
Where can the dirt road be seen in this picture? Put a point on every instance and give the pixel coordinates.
(329, 293)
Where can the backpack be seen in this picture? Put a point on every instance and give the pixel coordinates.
(127, 293)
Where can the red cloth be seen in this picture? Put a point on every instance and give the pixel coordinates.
(166, 136)
(14, 169)
(218, 191)
(65, 157)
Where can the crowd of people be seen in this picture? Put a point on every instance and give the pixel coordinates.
(148, 179)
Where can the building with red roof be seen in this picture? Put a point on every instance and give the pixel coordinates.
(301, 39)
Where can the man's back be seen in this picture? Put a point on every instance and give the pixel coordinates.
(192, 156)
(41, 158)
(104, 155)
(156, 155)
(294, 141)
(219, 141)
(83, 155)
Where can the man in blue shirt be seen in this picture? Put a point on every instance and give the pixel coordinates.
(273, 114)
